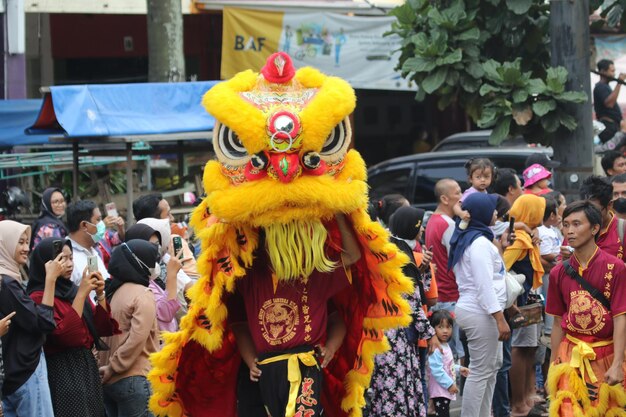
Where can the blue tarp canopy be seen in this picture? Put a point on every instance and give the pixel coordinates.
(15, 117)
(124, 109)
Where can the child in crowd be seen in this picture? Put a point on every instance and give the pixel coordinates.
(441, 367)
(480, 173)
(550, 243)
(537, 180)
(549, 249)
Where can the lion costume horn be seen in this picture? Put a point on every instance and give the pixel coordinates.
(283, 168)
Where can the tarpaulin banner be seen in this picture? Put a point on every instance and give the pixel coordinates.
(349, 47)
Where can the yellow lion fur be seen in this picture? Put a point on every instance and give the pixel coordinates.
(228, 210)
(579, 396)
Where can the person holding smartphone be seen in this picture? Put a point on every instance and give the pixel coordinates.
(73, 374)
(167, 304)
(184, 281)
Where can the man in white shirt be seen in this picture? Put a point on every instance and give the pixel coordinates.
(86, 228)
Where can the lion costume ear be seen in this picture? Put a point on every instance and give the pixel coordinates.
(195, 374)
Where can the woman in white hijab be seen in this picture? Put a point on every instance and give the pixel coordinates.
(184, 282)
(25, 389)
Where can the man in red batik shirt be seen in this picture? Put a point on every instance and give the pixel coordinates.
(587, 368)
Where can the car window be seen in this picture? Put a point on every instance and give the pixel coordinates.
(393, 181)
(430, 172)
(515, 162)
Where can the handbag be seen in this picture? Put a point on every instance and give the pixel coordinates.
(514, 287)
(533, 314)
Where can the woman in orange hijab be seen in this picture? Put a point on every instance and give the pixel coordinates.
(523, 257)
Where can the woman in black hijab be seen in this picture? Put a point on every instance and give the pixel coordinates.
(49, 223)
(73, 375)
(124, 368)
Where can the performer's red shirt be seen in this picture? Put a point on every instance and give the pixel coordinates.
(583, 316)
(293, 315)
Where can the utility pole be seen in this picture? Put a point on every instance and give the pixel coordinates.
(165, 41)
(569, 37)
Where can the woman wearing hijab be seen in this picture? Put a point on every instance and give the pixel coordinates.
(406, 224)
(399, 367)
(166, 302)
(25, 391)
(49, 223)
(524, 257)
(73, 374)
(125, 366)
(184, 281)
(479, 272)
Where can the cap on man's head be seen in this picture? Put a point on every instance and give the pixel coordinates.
(541, 159)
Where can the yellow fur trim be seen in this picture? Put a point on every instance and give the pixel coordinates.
(356, 382)
(334, 100)
(579, 396)
(225, 103)
(307, 198)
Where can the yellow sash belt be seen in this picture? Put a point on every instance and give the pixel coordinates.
(582, 353)
(293, 374)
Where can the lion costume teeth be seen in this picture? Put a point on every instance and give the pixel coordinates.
(283, 169)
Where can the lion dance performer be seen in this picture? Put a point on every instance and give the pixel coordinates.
(587, 296)
(295, 275)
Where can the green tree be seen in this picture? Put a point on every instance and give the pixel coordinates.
(490, 56)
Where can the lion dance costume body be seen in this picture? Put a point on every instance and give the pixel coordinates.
(283, 171)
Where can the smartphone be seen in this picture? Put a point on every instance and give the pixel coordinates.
(92, 264)
(177, 242)
(111, 209)
(57, 248)
(511, 225)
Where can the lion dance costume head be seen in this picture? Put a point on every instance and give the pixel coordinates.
(283, 171)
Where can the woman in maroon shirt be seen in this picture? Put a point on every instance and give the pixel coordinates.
(73, 375)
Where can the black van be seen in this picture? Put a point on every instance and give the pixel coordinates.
(415, 176)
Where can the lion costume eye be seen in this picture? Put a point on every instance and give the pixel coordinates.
(338, 140)
(228, 146)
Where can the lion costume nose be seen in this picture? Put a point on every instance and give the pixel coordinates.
(286, 166)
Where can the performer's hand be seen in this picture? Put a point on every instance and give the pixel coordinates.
(615, 374)
(255, 372)
(326, 354)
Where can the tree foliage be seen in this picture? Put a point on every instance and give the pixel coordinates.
(490, 56)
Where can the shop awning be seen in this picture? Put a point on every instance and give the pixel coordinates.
(15, 116)
(104, 110)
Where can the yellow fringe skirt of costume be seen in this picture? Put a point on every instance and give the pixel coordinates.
(573, 396)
